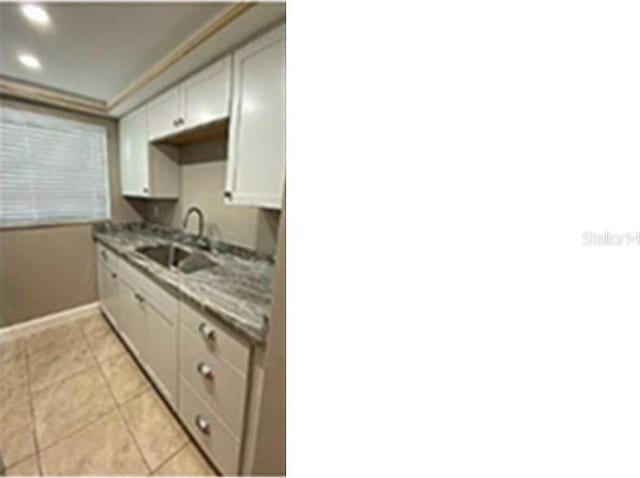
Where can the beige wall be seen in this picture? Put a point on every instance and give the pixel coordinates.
(203, 186)
(49, 269)
(271, 445)
(203, 174)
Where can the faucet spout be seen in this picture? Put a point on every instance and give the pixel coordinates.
(200, 215)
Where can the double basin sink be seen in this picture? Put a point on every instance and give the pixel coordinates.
(172, 256)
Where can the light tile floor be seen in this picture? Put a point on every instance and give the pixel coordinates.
(73, 402)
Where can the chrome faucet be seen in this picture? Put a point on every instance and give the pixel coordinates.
(198, 211)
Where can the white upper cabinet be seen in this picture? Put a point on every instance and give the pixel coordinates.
(134, 154)
(200, 99)
(164, 112)
(255, 173)
(146, 171)
(205, 96)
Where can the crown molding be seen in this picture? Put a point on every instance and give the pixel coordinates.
(20, 89)
(40, 94)
(193, 42)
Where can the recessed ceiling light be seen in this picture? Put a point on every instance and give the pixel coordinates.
(35, 13)
(29, 61)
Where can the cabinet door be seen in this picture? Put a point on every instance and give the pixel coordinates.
(255, 175)
(134, 154)
(111, 293)
(102, 283)
(164, 113)
(133, 317)
(162, 350)
(205, 96)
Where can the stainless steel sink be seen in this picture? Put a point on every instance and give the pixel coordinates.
(166, 255)
(196, 262)
(172, 256)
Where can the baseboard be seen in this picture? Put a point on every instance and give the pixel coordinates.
(40, 323)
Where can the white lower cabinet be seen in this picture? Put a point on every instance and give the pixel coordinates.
(152, 333)
(213, 387)
(133, 323)
(200, 367)
(212, 378)
(134, 304)
(208, 430)
(161, 352)
(108, 287)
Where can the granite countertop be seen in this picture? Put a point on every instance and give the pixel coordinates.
(237, 291)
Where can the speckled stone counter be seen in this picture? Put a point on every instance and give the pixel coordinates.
(237, 291)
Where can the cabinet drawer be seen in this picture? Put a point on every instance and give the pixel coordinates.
(161, 300)
(219, 384)
(107, 257)
(222, 344)
(221, 446)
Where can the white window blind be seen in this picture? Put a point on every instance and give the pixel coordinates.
(52, 170)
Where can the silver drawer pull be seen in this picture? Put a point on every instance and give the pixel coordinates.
(104, 254)
(207, 331)
(138, 297)
(202, 425)
(204, 370)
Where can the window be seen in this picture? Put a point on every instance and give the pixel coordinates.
(52, 170)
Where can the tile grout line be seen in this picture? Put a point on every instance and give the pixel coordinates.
(172, 412)
(82, 428)
(65, 341)
(62, 340)
(119, 407)
(84, 335)
(170, 457)
(33, 429)
(150, 389)
(40, 448)
(34, 434)
(124, 419)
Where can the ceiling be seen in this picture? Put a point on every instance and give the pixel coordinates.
(96, 50)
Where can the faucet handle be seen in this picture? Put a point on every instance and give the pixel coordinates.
(203, 243)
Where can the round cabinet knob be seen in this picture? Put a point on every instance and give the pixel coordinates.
(204, 370)
(207, 331)
(114, 275)
(202, 425)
